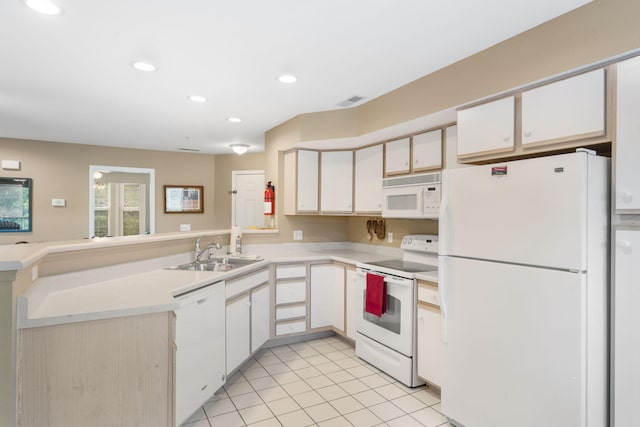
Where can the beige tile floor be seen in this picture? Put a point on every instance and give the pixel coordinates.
(316, 383)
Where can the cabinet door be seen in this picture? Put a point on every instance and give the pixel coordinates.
(327, 296)
(627, 149)
(487, 128)
(430, 344)
(351, 303)
(260, 309)
(238, 331)
(566, 110)
(336, 181)
(368, 181)
(307, 185)
(396, 157)
(427, 151)
(626, 339)
(321, 295)
(290, 192)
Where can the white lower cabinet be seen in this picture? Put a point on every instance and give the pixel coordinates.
(291, 299)
(260, 309)
(351, 302)
(238, 313)
(327, 296)
(200, 348)
(429, 333)
(247, 311)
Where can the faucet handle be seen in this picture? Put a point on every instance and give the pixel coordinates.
(197, 248)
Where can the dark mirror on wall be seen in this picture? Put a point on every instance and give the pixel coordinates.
(15, 205)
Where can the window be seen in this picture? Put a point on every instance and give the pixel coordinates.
(15, 204)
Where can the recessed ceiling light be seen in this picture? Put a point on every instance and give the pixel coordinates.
(143, 66)
(198, 98)
(44, 6)
(287, 78)
(234, 120)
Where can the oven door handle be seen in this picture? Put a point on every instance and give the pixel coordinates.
(388, 279)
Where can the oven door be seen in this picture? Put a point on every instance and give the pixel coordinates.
(395, 327)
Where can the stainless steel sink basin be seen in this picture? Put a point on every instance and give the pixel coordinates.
(216, 264)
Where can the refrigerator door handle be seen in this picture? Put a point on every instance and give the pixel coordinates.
(444, 214)
(442, 280)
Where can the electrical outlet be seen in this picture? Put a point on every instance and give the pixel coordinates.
(297, 235)
(185, 227)
(390, 237)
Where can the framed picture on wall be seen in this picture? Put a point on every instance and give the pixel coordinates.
(183, 199)
(15, 205)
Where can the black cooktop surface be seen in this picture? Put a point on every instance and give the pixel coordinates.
(401, 265)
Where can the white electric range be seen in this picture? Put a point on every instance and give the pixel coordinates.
(389, 342)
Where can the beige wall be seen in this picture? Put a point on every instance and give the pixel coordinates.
(62, 171)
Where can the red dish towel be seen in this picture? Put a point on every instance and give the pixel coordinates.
(376, 295)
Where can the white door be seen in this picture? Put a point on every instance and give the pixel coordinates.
(396, 156)
(368, 179)
(351, 303)
(626, 339)
(487, 128)
(307, 181)
(535, 214)
(321, 295)
(336, 181)
(427, 150)
(515, 345)
(247, 206)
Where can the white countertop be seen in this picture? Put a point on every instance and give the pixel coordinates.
(115, 291)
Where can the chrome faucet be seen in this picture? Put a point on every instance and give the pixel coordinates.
(197, 252)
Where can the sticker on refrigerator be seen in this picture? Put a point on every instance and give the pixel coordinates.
(498, 171)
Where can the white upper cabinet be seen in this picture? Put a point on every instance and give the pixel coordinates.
(301, 182)
(427, 150)
(569, 109)
(368, 179)
(336, 182)
(487, 128)
(397, 154)
(627, 150)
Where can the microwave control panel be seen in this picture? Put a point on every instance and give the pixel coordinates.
(431, 195)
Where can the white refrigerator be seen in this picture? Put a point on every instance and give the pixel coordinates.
(523, 282)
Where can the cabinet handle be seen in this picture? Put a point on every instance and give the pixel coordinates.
(625, 246)
(506, 138)
(528, 133)
(202, 301)
(406, 163)
(625, 196)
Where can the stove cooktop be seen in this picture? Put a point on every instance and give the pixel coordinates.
(406, 266)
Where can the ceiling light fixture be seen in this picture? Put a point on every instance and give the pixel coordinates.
(239, 148)
(287, 78)
(44, 6)
(234, 120)
(197, 98)
(143, 66)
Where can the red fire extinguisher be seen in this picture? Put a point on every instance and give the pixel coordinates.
(269, 205)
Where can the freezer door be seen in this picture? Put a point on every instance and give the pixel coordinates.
(531, 212)
(516, 347)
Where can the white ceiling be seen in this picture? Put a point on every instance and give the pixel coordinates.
(68, 78)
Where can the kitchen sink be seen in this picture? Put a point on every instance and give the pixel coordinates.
(216, 264)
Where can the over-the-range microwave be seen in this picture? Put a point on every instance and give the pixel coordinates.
(412, 196)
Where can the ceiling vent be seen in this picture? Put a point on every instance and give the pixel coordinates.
(188, 149)
(349, 102)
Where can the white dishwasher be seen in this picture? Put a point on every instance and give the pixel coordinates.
(200, 343)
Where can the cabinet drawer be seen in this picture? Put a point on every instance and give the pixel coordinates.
(290, 292)
(235, 287)
(290, 312)
(291, 327)
(289, 271)
(429, 295)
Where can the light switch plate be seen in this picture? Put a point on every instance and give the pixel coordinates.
(390, 237)
(11, 165)
(58, 203)
(297, 234)
(185, 227)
